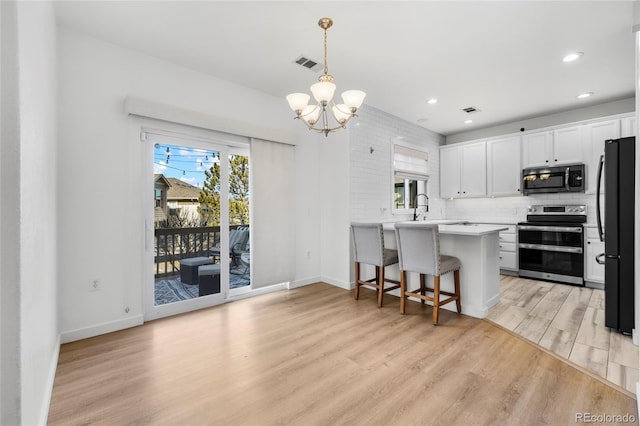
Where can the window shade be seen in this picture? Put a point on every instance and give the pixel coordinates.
(272, 185)
(410, 163)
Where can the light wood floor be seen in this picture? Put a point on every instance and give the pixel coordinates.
(315, 356)
(568, 321)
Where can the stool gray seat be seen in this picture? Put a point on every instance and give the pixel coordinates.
(419, 251)
(368, 248)
(208, 279)
(189, 268)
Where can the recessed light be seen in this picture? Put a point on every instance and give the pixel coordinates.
(468, 121)
(585, 95)
(572, 56)
(432, 101)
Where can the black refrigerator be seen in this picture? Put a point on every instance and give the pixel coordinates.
(617, 166)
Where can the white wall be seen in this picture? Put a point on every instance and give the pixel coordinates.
(370, 173)
(29, 200)
(578, 114)
(100, 171)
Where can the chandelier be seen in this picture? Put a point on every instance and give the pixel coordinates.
(316, 117)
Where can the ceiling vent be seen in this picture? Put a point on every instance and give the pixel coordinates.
(308, 63)
(470, 110)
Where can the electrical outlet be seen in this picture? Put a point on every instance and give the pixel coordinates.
(95, 286)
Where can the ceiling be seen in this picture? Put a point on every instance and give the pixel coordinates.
(504, 58)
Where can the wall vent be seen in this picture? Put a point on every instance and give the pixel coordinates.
(308, 63)
(470, 110)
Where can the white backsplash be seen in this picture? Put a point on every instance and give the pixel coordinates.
(513, 209)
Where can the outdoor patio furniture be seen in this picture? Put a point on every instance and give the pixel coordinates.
(238, 244)
(209, 279)
(189, 268)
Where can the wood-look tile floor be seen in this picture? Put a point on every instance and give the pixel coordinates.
(568, 321)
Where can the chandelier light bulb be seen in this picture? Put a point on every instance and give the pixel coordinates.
(341, 112)
(353, 98)
(323, 92)
(310, 114)
(298, 101)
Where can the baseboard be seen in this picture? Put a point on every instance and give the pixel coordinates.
(303, 282)
(96, 330)
(338, 283)
(53, 367)
(259, 291)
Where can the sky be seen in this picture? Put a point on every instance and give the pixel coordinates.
(186, 164)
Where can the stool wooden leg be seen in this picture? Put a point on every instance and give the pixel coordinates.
(423, 287)
(436, 298)
(456, 280)
(403, 289)
(380, 285)
(357, 275)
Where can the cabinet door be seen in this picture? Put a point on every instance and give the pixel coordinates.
(503, 166)
(594, 272)
(536, 149)
(567, 146)
(450, 172)
(473, 181)
(628, 127)
(595, 135)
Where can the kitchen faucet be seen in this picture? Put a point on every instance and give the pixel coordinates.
(415, 205)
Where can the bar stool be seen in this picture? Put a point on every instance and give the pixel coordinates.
(419, 251)
(368, 248)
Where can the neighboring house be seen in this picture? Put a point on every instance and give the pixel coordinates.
(161, 188)
(183, 196)
(174, 197)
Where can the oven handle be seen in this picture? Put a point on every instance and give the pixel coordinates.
(566, 179)
(574, 229)
(543, 247)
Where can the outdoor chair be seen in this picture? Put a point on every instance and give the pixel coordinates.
(238, 244)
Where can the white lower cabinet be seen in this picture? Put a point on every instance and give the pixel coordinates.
(508, 245)
(508, 248)
(593, 271)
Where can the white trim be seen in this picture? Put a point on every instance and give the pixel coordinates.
(304, 281)
(104, 328)
(338, 283)
(634, 337)
(172, 114)
(259, 291)
(53, 366)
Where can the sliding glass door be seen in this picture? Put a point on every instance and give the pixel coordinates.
(200, 248)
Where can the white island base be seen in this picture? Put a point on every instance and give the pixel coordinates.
(477, 248)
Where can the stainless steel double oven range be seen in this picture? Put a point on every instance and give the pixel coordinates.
(551, 242)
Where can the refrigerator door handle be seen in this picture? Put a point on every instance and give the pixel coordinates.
(600, 259)
(598, 211)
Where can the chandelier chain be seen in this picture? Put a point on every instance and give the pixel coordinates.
(326, 65)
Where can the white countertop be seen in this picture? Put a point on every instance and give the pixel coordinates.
(450, 227)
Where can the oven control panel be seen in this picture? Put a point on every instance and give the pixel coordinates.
(557, 210)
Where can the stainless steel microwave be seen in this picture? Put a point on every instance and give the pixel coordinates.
(544, 180)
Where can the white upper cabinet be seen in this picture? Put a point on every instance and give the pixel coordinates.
(503, 166)
(473, 180)
(537, 149)
(628, 127)
(567, 146)
(463, 171)
(562, 146)
(595, 135)
(450, 172)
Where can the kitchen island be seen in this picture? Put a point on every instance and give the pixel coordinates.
(476, 245)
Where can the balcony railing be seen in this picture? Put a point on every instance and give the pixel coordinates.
(173, 244)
